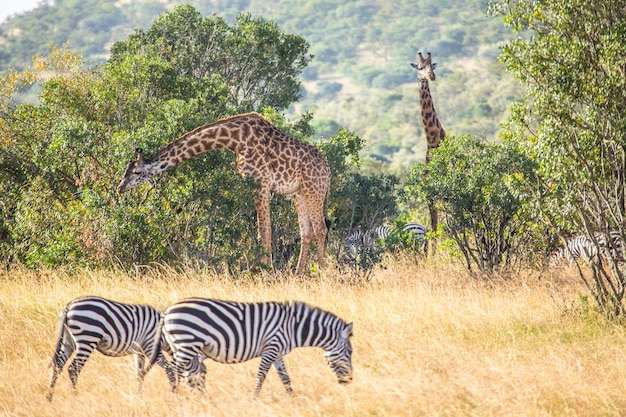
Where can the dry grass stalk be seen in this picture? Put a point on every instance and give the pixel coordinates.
(429, 340)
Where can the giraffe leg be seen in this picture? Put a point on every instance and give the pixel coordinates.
(306, 233)
(315, 212)
(434, 218)
(434, 222)
(320, 231)
(264, 226)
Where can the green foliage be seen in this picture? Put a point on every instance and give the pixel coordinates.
(405, 241)
(62, 157)
(357, 199)
(571, 121)
(365, 201)
(254, 59)
(467, 180)
(44, 232)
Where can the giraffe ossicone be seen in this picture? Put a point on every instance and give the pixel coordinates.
(279, 163)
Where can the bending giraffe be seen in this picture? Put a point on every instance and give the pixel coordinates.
(279, 163)
(432, 127)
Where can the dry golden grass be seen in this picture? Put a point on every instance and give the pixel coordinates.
(429, 341)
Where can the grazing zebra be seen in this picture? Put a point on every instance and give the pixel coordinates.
(112, 328)
(582, 247)
(359, 239)
(231, 332)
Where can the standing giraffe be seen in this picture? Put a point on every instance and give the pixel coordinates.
(434, 132)
(279, 163)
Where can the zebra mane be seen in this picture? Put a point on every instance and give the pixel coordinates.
(302, 310)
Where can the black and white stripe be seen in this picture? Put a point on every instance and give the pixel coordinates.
(578, 247)
(613, 245)
(587, 249)
(114, 329)
(231, 332)
(357, 239)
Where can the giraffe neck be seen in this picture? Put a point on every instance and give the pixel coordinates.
(206, 138)
(432, 126)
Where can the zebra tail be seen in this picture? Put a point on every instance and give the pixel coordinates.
(60, 333)
(156, 346)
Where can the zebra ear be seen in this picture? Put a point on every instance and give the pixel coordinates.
(347, 331)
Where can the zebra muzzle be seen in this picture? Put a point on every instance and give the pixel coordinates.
(345, 379)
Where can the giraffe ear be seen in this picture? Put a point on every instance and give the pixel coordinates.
(434, 65)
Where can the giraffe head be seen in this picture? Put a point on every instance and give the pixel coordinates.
(136, 173)
(425, 67)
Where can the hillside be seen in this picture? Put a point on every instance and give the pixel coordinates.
(359, 79)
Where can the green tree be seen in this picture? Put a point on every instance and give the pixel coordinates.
(357, 199)
(62, 156)
(255, 59)
(467, 180)
(570, 64)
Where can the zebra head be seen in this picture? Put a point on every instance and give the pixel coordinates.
(195, 372)
(339, 356)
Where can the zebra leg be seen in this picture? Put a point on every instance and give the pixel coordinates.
(181, 363)
(282, 372)
(267, 359)
(83, 351)
(55, 374)
(178, 375)
(140, 360)
(64, 350)
(163, 363)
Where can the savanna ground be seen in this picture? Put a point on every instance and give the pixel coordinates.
(429, 340)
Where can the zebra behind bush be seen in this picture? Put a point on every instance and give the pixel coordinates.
(231, 332)
(357, 239)
(589, 250)
(114, 329)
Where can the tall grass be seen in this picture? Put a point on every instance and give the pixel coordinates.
(429, 341)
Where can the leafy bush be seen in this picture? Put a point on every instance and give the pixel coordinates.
(467, 180)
